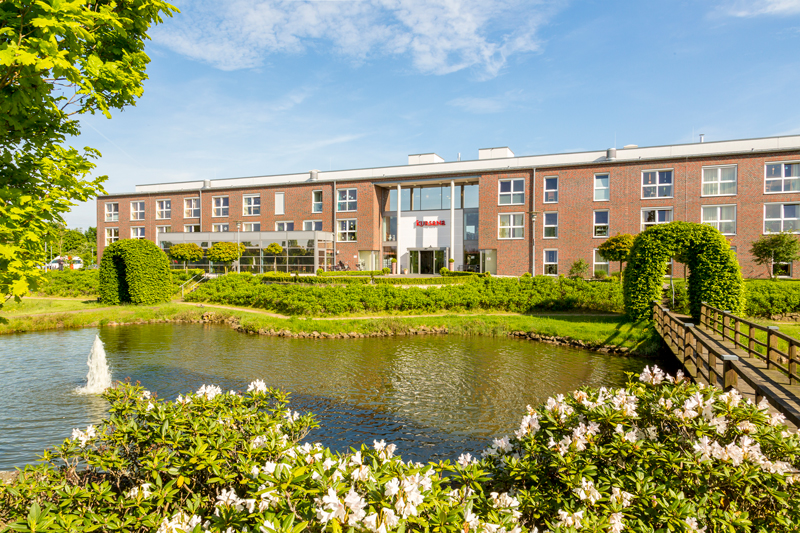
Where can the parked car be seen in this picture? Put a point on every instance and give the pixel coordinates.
(69, 263)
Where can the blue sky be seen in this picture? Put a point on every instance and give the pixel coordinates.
(256, 87)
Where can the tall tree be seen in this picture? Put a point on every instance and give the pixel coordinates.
(776, 248)
(58, 60)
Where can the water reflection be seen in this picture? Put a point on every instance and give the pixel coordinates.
(434, 396)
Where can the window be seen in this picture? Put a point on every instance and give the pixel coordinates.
(471, 196)
(512, 192)
(312, 225)
(722, 217)
(550, 225)
(782, 270)
(220, 206)
(284, 226)
(192, 228)
(601, 223)
(389, 228)
(719, 181)
(782, 177)
(112, 235)
(551, 262)
(137, 232)
(471, 226)
(346, 230)
(657, 184)
(316, 201)
(651, 217)
(163, 229)
(781, 217)
(551, 190)
(279, 203)
(112, 212)
(347, 200)
(511, 226)
(191, 208)
(219, 228)
(600, 263)
(251, 226)
(163, 209)
(601, 188)
(137, 210)
(251, 205)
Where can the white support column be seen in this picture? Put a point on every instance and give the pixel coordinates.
(398, 225)
(452, 222)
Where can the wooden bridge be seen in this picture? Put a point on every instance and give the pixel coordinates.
(730, 352)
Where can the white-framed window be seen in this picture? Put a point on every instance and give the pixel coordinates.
(651, 217)
(219, 228)
(782, 270)
(280, 203)
(251, 226)
(600, 263)
(112, 235)
(601, 223)
(511, 226)
(781, 217)
(346, 230)
(550, 225)
(137, 232)
(284, 226)
(316, 201)
(346, 200)
(163, 229)
(191, 208)
(511, 192)
(551, 263)
(602, 188)
(191, 228)
(251, 205)
(551, 190)
(657, 184)
(112, 211)
(312, 225)
(782, 177)
(137, 210)
(221, 204)
(722, 217)
(719, 181)
(163, 209)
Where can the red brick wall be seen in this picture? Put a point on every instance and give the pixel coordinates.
(513, 255)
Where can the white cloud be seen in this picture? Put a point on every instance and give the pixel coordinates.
(440, 36)
(752, 8)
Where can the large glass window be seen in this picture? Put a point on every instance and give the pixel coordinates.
(163, 229)
(220, 206)
(316, 201)
(163, 209)
(346, 230)
(137, 210)
(600, 264)
(602, 190)
(312, 225)
(390, 228)
(471, 226)
(191, 208)
(471, 196)
(781, 217)
(219, 228)
(112, 212)
(137, 232)
(191, 228)
(657, 184)
(112, 235)
(511, 226)
(284, 226)
(251, 205)
(512, 192)
(347, 200)
(405, 199)
(782, 177)
(601, 223)
(550, 225)
(431, 198)
(719, 181)
(651, 217)
(251, 226)
(722, 217)
(551, 262)
(551, 190)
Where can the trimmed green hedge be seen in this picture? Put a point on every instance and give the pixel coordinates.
(497, 294)
(336, 273)
(135, 271)
(69, 283)
(421, 281)
(767, 298)
(332, 280)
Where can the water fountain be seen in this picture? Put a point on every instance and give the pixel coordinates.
(99, 377)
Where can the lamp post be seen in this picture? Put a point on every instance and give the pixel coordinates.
(238, 247)
(534, 214)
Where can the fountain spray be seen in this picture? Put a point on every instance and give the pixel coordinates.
(99, 377)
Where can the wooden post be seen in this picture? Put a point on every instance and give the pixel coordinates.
(712, 368)
(759, 395)
(726, 324)
(687, 335)
(730, 379)
(751, 342)
(792, 363)
(772, 343)
(736, 332)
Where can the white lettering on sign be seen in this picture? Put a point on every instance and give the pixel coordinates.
(430, 223)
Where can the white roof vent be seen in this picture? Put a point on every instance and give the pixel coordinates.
(629, 146)
(495, 153)
(424, 159)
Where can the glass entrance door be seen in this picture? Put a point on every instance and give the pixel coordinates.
(426, 265)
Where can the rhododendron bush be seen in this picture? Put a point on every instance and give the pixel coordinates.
(661, 454)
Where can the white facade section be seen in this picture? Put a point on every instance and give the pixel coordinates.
(495, 153)
(424, 159)
(434, 237)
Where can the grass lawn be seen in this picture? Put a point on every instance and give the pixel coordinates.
(30, 306)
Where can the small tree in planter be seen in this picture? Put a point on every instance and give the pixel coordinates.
(274, 249)
(579, 269)
(186, 252)
(617, 248)
(225, 252)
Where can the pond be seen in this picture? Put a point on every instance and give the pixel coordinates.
(434, 396)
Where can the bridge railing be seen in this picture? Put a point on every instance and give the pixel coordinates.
(778, 350)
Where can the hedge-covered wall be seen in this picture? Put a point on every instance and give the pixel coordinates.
(714, 273)
(135, 271)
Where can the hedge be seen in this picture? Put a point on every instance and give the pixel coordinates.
(421, 281)
(350, 273)
(769, 298)
(69, 283)
(135, 271)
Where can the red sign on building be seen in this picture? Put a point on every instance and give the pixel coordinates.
(430, 222)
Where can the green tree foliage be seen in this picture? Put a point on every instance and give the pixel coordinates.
(225, 252)
(72, 242)
(186, 252)
(777, 248)
(579, 269)
(135, 271)
(617, 248)
(714, 273)
(274, 249)
(58, 60)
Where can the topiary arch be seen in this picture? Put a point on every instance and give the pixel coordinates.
(135, 271)
(714, 273)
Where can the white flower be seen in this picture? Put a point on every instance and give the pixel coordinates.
(745, 426)
(588, 491)
(144, 490)
(720, 423)
(146, 395)
(387, 452)
(691, 523)
(150, 406)
(621, 497)
(379, 445)
(570, 519)
(179, 523)
(615, 524)
(267, 526)
(776, 419)
(330, 507)
(731, 398)
(84, 437)
(506, 502)
(653, 377)
(356, 504)
(209, 391)
(392, 487)
(703, 448)
(257, 386)
(465, 460)
(529, 424)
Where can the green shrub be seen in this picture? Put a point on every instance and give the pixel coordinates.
(419, 281)
(334, 280)
(526, 275)
(460, 274)
(579, 269)
(284, 276)
(320, 272)
(600, 274)
(135, 271)
(444, 271)
(769, 298)
(69, 283)
(386, 270)
(186, 252)
(367, 273)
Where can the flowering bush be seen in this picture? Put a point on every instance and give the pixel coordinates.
(660, 455)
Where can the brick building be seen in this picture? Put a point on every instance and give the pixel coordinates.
(500, 213)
